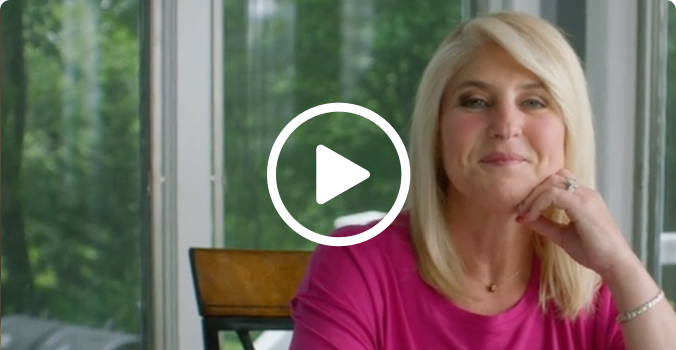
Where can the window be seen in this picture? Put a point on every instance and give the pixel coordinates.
(71, 174)
(669, 272)
(283, 57)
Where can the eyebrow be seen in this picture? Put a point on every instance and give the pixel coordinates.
(483, 85)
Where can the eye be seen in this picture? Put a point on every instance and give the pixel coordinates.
(533, 104)
(473, 102)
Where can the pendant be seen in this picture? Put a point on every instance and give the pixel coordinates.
(492, 288)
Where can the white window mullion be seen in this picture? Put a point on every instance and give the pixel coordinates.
(611, 72)
(194, 155)
(163, 305)
(668, 251)
(184, 115)
(217, 124)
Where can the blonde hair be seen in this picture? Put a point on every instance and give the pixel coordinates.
(542, 49)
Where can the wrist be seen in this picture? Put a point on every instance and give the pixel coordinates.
(625, 267)
(630, 284)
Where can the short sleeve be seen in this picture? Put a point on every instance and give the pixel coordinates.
(334, 308)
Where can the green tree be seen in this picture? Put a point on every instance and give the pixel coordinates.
(300, 54)
(18, 279)
(71, 173)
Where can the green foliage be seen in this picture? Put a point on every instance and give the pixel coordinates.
(669, 272)
(80, 162)
(302, 54)
(670, 193)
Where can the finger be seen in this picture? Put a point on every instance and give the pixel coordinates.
(565, 173)
(554, 196)
(526, 204)
(549, 229)
(552, 181)
(571, 184)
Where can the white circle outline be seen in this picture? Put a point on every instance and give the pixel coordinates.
(403, 187)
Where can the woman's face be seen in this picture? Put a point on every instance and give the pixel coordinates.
(500, 133)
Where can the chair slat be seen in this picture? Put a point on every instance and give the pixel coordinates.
(246, 283)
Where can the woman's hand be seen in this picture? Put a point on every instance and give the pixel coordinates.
(591, 238)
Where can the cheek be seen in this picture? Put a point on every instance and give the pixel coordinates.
(548, 139)
(458, 136)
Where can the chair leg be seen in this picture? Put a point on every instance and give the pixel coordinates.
(212, 340)
(245, 339)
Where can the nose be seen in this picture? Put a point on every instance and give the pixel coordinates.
(506, 121)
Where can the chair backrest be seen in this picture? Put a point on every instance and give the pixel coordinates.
(246, 283)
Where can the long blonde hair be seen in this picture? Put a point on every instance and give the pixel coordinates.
(542, 49)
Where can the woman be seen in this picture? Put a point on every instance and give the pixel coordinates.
(506, 245)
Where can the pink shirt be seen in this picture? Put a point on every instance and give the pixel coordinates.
(369, 296)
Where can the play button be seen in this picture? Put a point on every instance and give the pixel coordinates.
(336, 174)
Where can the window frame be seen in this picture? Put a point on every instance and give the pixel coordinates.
(651, 92)
(185, 166)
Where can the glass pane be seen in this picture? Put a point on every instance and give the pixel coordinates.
(669, 272)
(70, 174)
(283, 57)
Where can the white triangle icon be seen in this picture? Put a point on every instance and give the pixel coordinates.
(336, 174)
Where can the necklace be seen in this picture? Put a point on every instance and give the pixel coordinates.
(493, 287)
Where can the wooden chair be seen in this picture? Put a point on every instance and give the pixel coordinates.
(245, 290)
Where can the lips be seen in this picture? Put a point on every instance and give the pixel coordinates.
(503, 158)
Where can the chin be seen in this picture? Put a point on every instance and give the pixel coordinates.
(497, 194)
(504, 198)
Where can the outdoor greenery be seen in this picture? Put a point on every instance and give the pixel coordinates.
(72, 146)
(669, 272)
(70, 161)
(670, 194)
(285, 59)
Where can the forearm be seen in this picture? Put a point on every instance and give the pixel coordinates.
(632, 286)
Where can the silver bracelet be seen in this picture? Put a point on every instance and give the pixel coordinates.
(628, 316)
